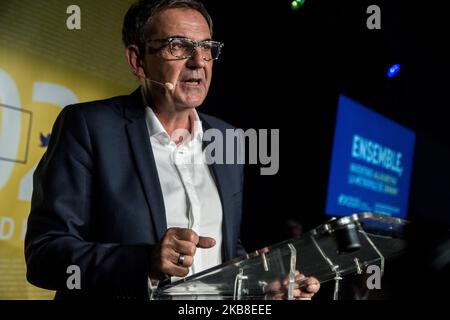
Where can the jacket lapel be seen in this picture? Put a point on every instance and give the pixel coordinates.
(145, 161)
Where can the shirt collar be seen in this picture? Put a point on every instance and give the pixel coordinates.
(198, 128)
(157, 130)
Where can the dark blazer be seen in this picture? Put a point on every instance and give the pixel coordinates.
(97, 201)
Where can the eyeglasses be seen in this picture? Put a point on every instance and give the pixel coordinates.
(184, 48)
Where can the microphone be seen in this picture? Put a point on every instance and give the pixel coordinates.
(168, 85)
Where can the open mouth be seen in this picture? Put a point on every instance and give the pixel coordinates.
(192, 82)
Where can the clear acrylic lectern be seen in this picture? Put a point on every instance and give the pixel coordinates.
(329, 252)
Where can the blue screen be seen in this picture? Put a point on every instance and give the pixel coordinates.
(371, 163)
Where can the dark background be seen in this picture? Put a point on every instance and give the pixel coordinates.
(285, 69)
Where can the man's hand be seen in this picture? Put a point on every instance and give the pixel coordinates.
(176, 241)
(304, 288)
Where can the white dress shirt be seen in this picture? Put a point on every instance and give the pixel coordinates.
(191, 198)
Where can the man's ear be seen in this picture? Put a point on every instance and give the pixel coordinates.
(135, 61)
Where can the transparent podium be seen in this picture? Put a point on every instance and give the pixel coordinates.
(331, 251)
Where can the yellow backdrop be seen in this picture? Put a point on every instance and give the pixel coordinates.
(43, 67)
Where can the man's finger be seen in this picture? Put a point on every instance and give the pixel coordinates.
(177, 271)
(311, 284)
(187, 235)
(184, 247)
(188, 260)
(206, 242)
(306, 295)
(313, 288)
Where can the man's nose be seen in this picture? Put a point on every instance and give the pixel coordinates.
(196, 60)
